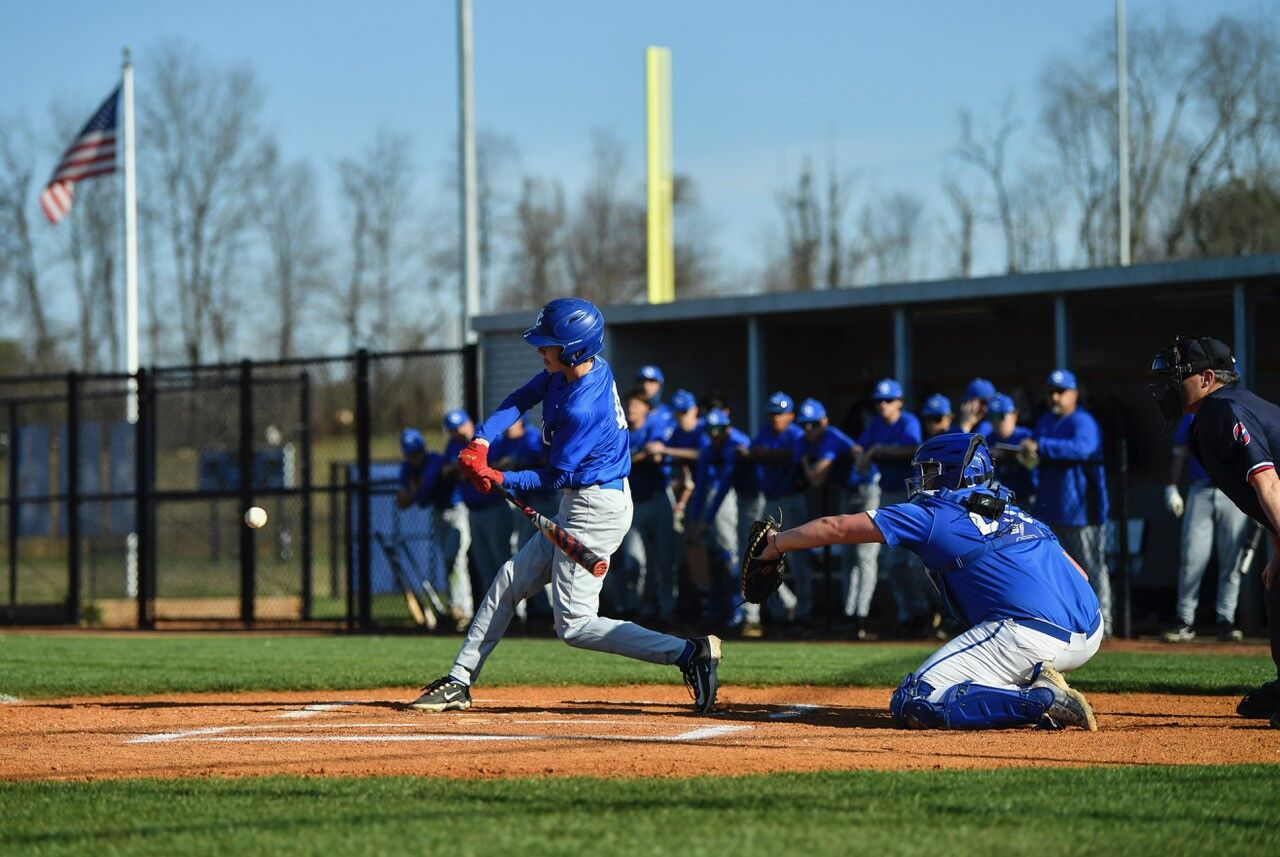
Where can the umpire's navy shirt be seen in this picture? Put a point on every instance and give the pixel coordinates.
(1234, 437)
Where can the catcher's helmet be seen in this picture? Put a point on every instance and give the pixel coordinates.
(572, 323)
(955, 460)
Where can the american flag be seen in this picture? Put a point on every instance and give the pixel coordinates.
(93, 153)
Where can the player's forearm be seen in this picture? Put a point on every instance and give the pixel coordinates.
(1082, 447)
(771, 456)
(511, 409)
(833, 530)
(1175, 465)
(532, 480)
(897, 453)
(681, 454)
(1267, 486)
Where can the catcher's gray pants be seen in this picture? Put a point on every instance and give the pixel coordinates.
(794, 510)
(858, 564)
(491, 531)
(914, 595)
(750, 508)
(1087, 545)
(452, 533)
(599, 518)
(1210, 517)
(649, 557)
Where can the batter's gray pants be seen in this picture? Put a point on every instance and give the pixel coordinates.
(491, 530)
(858, 564)
(649, 558)
(914, 595)
(1088, 546)
(452, 533)
(547, 505)
(599, 518)
(1210, 517)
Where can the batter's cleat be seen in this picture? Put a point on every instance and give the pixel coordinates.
(1180, 634)
(700, 673)
(1262, 703)
(443, 694)
(1069, 708)
(1228, 633)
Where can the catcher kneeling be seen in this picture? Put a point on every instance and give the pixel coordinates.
(1031, 612)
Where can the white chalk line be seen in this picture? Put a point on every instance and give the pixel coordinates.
(218, 734)
(6, 699)
(313, 710)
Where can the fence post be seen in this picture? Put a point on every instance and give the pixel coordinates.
(142, 498)
(1122, 540)
(304, 441)
(471, 378)
(248, 552)
(15, 508)
(72, 465)
(363, 438)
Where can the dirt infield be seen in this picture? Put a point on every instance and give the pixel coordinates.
(627, 731)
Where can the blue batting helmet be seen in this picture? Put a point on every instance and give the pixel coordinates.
(954, 460)
(411, 442)
(572, 323)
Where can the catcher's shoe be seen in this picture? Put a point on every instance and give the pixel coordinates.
(1069, 708)
(700, 673)
(443, 694)
(1261, 703)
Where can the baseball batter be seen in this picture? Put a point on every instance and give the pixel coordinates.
(1032, 613)
(588, 460)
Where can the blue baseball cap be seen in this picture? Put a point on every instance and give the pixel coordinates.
(1062, 379)
(811, 411)
(1001, 405)
(980, 388)
(455, 419)
(887, 390)
(411, 442)
(683, 401)
(936, 405)
(650, 373)
(716, 418)
(781, 403)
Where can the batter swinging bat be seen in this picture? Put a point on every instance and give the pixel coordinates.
(558, 535)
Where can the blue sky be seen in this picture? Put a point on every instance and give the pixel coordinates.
(757, 85)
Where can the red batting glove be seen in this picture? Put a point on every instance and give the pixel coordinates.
(485, 479)
(474, 458)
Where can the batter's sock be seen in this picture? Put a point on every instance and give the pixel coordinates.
(687, 654)
(462, 682)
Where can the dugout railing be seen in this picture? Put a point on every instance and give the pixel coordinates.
(125, 495)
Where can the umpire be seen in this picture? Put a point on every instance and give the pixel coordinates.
(1234, 436)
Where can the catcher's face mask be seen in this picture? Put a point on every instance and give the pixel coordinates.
(931, 473)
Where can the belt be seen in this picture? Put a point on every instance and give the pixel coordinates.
(615, 485)
(1054, 631)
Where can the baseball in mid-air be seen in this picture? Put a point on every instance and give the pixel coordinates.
(256, 517)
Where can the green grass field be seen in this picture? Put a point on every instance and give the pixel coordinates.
(1132, 810)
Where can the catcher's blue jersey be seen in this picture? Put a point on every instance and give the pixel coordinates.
(1010, 567)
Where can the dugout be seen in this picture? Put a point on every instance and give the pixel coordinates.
(1103, 323)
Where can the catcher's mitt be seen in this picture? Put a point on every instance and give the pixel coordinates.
(761, 577)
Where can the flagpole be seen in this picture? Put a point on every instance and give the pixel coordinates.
(130, 243)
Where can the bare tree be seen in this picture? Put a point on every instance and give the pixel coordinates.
(291, 223)
(802, 222)
(987, 149)
(960, 237)
(694, 248)
(839, 189)
(17, 238)
(890, 231)
(206, 161)
(349, 297)
(536, 274)
(606, 253)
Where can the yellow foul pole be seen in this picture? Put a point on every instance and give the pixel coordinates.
(661, 243)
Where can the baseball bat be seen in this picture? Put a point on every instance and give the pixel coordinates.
(558, 535)
(1251, 548)
(426, 618)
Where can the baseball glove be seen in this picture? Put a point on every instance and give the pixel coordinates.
(761, 577)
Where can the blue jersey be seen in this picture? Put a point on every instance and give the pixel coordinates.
(649, 478)
(661, 417)
(582, 425)
(715, 473)
(779, 480)
(1009, 473)
(1011, 567)
(463, 492)
(904, 432)
(1182, 437)
(837, 447)
(1072, 490)
(679, 438)
(430, 489)
(522, 453)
